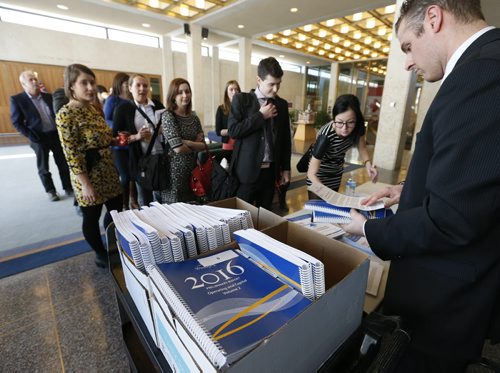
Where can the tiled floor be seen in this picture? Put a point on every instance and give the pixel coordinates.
(63, 317)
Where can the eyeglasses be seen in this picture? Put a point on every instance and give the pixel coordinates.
(349, 124)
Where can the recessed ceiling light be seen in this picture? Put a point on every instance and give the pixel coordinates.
(298, 45)
(294, 10)
(307, 28)
(281, 56)
(284, 40)
(63, 7)
(308, 62)
(147, 25)
(357, 16)
(241, 26)
(269, 36)
(330, 23)
(344, 29)
(184, 10)
(287, 32)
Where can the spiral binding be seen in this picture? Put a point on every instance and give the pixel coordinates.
(212, 349)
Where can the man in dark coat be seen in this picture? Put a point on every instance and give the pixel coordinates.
(260, 124)
(444, 241)
(32, 115)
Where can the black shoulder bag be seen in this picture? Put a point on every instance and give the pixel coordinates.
(153, 169)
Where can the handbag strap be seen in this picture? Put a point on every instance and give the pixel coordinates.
(155, 133)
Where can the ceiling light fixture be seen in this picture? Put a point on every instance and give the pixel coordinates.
(200, 4)
(302, 37)
(287, 32)
(281, 56)
(368, 40)
(315, 42)
(321, 52)
(294, 10)
(308, 28)
(382, 31)
(154, 3)
(347, 43)
(62, 7)
(322, 33)
(344, 29)
(184, 10)
(390, 9)
(269, 36)
(357, 35)
(377, 45)
(335, 39)
(338, 50)
(284, 41)
(357, 56)
(370, 23)
(147, 25)
(310, 49)
(298, 45)
(241, 26)
(330, 23)
(386, 50)
(348, 54)
(357, 16)
(327, 46)
(357, 47)
(331, 55)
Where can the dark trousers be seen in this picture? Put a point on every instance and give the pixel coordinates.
(414, 361)
(49, 141)
(90, 224)
(261, 192)
(145, 196)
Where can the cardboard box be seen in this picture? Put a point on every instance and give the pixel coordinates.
(376, 280)
(323, 326)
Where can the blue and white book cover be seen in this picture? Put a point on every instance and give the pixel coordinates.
(320, 205)
(290, 269)
(232, 299)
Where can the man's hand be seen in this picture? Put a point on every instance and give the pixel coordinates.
(392, 192)
(268, 110)
(356, 224)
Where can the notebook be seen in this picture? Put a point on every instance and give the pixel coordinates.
(300, 270)
(227, 303)
(324, 212)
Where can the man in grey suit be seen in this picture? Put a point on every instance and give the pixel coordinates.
(444, 240)
(260, 124)
(32, 115)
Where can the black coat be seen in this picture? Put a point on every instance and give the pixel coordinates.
(444, 241)
(246, 124)
(25, 116)
(123, 120)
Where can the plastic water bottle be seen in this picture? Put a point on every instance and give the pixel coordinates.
(350, 188)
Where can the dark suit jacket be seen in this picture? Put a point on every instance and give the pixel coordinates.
(25, 116)
(123, 120)
(444, 241)
(246, 125)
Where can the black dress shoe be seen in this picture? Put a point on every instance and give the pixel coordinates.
(53, 196)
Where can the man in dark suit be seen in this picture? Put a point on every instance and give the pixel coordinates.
(444, 240)
(32, 115)
(260, 124)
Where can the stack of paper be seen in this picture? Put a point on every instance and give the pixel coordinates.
(226, 303)
(298, 269)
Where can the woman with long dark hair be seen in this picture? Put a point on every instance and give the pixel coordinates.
(347, 129)
(184, 135)
(232, 88)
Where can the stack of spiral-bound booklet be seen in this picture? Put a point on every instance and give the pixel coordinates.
(226, 302)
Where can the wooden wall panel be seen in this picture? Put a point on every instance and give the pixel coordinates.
(50, 75)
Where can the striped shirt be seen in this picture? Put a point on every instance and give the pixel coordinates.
(332, 162)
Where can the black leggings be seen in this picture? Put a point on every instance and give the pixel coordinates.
(90, 224)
